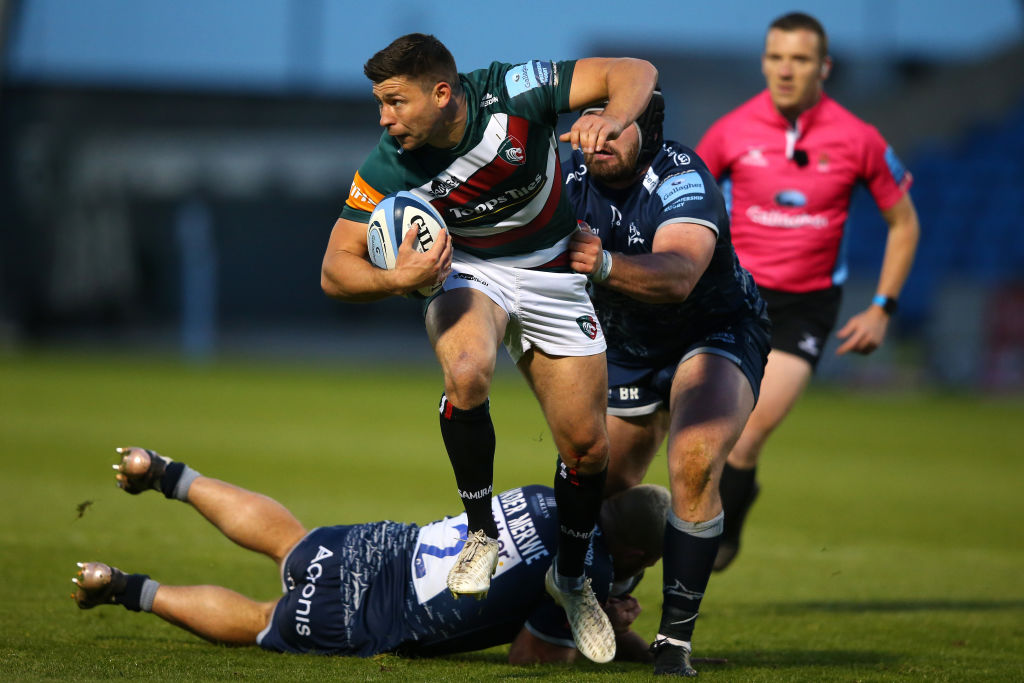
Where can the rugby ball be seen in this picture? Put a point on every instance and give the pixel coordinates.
(391, 219)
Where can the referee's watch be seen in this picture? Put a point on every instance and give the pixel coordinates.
(886, 303)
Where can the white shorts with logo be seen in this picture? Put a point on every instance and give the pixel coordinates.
(549, 311)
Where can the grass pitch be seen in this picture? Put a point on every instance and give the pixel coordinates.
(885, 545)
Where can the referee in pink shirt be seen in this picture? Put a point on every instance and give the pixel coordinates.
(788, 161)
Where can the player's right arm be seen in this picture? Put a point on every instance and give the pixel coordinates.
(630, 646)
(680, 254)
(347, 274)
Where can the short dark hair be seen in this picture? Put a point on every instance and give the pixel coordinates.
(417, 56)
(652, 132)
(637, 516)
(798, 20)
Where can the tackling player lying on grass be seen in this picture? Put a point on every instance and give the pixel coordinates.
(378, 587)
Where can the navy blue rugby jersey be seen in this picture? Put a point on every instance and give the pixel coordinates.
(527, 520)
(378, 587)
(676, 188)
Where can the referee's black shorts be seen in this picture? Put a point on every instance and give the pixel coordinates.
(802, 322)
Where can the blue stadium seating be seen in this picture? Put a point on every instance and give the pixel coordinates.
(970, 199)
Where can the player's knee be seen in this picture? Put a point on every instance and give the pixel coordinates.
(467, 382)
(587, 453)
(692, 468)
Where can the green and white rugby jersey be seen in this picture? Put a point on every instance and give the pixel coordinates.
(499, 190)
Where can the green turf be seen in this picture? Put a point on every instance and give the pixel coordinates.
(885, 545)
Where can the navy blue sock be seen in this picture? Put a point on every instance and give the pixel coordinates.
(469, 439)
(578, 497)
(690, 549)
(735, 488)
(169, 481)
(131, 596)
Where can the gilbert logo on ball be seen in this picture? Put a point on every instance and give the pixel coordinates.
(395, 215)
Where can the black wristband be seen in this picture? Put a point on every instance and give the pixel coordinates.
(886, 303)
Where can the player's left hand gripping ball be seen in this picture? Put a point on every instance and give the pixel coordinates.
(391, 219)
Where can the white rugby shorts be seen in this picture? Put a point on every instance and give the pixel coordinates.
(549, 311)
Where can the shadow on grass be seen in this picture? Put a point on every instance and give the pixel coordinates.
(498, 658)
(937, 605)
(794, 659)
(769, 659)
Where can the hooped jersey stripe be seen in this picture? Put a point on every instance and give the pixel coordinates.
(540, 199)
(483, 167)
(559, 264)
(552, 192)
(542, 259)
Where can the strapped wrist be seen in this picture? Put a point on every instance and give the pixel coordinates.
(601, 274)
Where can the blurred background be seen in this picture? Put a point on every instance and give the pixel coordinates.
(170, 170)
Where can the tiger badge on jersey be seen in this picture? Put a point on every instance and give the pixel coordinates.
(512, 151)
(588, 325)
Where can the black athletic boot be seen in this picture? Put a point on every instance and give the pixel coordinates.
(671, 660)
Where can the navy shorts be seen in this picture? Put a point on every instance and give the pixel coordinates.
(310, 617)
(328, 606)
(636, 391)
(802, 322)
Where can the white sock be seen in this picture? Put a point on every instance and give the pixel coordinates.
(672, 641)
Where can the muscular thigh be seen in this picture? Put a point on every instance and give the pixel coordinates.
(633, 441)
(572, 392)
(465, 327)
(711, 401)
(785, 378)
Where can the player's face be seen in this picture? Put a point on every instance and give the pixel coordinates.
(615, 165)
(793, 69)
(408, 110)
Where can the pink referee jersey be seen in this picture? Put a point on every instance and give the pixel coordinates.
(788, 219)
